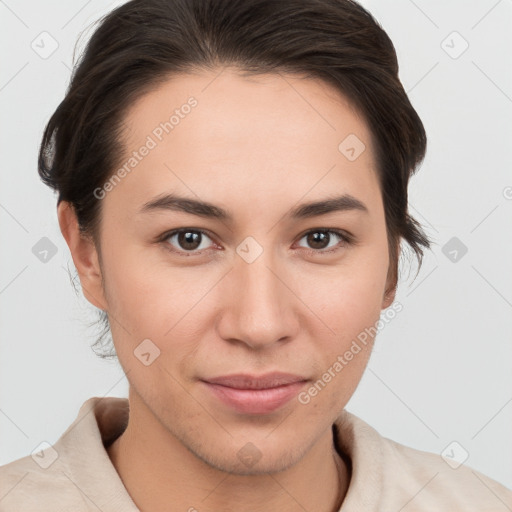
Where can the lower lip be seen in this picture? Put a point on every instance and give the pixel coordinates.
(255, 401)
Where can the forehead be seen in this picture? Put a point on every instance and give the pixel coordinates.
(234, 101)
(219, 134)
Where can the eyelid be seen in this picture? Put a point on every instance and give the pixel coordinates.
(168, 234)
(347, 239)
(337, 231)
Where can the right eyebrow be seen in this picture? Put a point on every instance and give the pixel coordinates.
(177, 203)
(174, 202)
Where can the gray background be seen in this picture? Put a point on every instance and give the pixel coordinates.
(440, 371)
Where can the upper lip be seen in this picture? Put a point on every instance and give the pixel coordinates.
(247, 381)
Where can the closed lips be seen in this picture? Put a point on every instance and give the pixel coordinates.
(246, 381)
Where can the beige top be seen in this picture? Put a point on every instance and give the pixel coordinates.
(76, 474)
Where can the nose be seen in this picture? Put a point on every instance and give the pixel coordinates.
(259, 310)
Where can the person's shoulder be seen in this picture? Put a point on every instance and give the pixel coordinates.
(29, 484)
(406, 478)
(443, 479)
(72, 471)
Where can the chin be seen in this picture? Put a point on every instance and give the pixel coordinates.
(249, 461)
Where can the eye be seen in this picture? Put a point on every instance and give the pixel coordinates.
(186, 240)
(320, 240)
(189, 241)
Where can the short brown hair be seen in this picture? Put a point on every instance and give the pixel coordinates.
(143, 42)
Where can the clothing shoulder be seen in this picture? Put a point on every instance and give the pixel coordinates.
(444, 481)
(26, 485)
(407, 479)
(75, 473)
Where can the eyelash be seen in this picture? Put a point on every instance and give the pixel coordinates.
(346, 240)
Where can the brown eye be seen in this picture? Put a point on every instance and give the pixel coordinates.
(321, 239)
(318, 239)
(187, 240)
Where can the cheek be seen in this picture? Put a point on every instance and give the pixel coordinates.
(349, 299)
(172, 307)
(353, 309)
(350, 305)
(143, 296)
(343, 356)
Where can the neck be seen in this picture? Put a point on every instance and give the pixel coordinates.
(157, 469)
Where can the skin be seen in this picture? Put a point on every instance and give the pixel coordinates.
(257, 147)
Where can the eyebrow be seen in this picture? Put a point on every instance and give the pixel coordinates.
(173, 202)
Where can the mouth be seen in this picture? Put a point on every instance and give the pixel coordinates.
(251, 394)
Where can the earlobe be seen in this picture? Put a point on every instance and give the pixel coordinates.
(391, 280)
(84, 254)
(389, 297)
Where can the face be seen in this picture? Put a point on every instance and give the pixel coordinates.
(258, 283)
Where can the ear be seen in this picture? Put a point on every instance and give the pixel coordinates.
(389, 297)
(84, 254)
(391, 280)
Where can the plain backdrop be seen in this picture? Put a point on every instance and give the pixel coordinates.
(441, 369)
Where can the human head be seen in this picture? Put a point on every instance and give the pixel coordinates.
(142, 47)
(124, 59)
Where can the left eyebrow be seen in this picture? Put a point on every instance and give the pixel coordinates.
(173, 202)
(345, 202)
